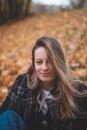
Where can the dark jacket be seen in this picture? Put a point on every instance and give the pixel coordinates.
(22, 99)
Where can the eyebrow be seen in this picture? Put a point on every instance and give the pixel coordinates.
(38, 59)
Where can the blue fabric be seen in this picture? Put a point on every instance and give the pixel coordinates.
(10, 120)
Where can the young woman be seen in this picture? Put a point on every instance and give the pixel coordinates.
(48, 96)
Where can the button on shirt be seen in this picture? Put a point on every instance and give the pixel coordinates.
(45, 95)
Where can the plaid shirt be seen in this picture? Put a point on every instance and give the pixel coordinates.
(21, 99)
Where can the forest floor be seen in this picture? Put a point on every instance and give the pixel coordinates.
(69, 27)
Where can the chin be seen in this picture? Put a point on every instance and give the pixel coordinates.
(46, 80)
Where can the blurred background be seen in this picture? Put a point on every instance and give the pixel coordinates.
(22, 22)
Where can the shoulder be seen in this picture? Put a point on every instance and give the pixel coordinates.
(81, 99)
(81, 102)
(21, 77)
(20, 82)
(19, 86)
(81, 87)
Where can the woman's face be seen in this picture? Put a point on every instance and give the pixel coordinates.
(44, 69)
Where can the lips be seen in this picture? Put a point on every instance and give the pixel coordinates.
(45, 74)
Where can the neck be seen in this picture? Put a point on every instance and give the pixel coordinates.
(48, 86)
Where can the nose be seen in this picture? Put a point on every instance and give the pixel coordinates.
(44, 66)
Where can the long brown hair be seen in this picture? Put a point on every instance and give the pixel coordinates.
(66, 82)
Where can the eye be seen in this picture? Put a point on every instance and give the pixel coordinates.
(48, 61)
(38, 62)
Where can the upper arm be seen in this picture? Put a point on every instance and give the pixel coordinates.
(80, 122)
(13, 96)
(82, 103)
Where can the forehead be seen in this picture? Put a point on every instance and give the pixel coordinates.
(40, 53)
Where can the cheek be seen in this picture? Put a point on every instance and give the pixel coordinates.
(53, 72)
(37, 68)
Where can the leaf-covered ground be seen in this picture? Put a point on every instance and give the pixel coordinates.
(17, 39)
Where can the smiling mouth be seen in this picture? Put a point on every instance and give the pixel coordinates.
(45, 73)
